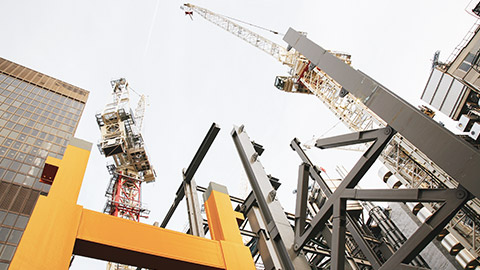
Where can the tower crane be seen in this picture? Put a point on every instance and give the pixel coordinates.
(407, 164)
(123, 142)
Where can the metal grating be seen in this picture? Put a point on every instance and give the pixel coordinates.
(9, 197)
(19, 200)
(30, 203)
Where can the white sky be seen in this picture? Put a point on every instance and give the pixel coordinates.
(196, 74)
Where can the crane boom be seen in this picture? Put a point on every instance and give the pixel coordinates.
(278, 52)
(401, 157)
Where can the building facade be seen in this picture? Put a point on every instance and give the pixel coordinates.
(38, 116)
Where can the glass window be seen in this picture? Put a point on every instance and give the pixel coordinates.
(20, 112)
(7, 253)
(11, 153)
(28, 182)
(22, 137)
(6, 115)
(42, 135)
(29, 159)
(13, 135)
(5, 163)
(4, 132)
(38, 161)
(3, 150)
(4, 232)
(8, 142)
(13, 95)
(18, 127)
(9, 124)
(37, 185)
(15, 166)
(21, 99)
(14, 118)
(34, 151)
(34, 132)
(21, 156)
(25, 168)
(2, 215)
(16, 145)
(10, 219)
(26, 148)
(2, 171)
(8, 177)
(27, 114)
(15, 236)
(22, 85)
(15, 82)
(19, 178)
(21, 222)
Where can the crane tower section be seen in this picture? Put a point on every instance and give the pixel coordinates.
(123, 142)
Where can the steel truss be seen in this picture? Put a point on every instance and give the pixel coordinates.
(335, 206)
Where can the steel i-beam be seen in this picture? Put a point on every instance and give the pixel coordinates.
(272, 212)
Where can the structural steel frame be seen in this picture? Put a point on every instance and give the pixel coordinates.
(335, 206)
(59, 228)
(459, 159)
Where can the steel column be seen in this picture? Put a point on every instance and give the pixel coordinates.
(272, 212)
(338, 235)
(195, 218)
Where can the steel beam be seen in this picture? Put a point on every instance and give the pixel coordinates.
(272, 212)
(338, 234)
(454, 155)
(428, 230)
(266, 246)
(302, 194)
(190, 171)
(194, 209)
(351, 180)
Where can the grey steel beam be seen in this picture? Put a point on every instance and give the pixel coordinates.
(301, 204)
(190, 171)
(194, 209)
(278, 226)
(266, 246)
(455, 156)
(428, 230)
(351, 180)
(338, 234)
(398, 195)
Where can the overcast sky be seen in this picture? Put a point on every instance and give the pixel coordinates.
(195, 73)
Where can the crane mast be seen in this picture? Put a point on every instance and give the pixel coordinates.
(122, 141)
(412, 167)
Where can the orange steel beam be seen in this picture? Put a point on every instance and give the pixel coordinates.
(124, 241)
(222, 221)
(59, 228)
